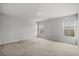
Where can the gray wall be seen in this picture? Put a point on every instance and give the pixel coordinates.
(17, 22)
(14, 29)
(53, 29)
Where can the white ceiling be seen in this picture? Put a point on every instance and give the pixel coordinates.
(40, 11)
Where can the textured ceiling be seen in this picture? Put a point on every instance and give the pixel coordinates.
(39, 11)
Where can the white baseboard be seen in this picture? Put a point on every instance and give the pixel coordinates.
(1, 43)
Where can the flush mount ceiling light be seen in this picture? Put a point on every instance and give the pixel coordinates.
(39, 13)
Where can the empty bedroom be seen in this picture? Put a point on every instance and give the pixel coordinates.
(39, 29)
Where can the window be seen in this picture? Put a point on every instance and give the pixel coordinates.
(69, 27)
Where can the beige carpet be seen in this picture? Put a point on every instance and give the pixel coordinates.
(38, 47)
